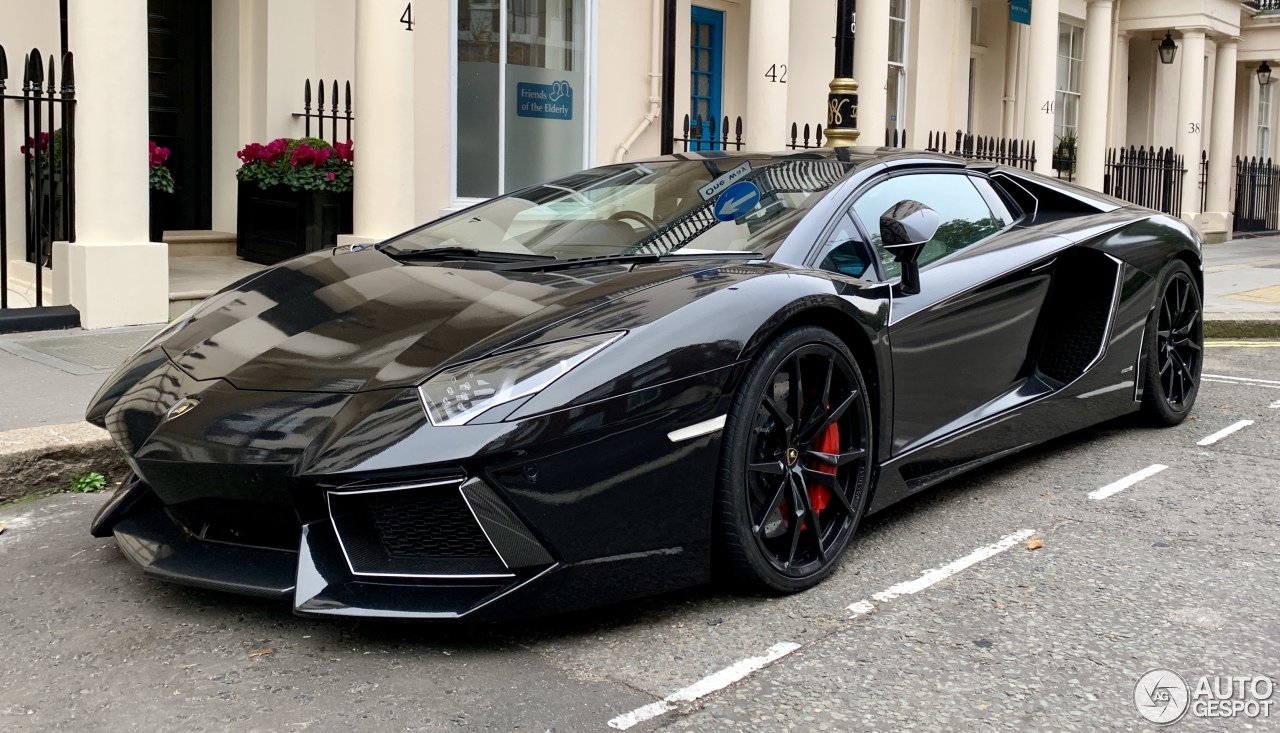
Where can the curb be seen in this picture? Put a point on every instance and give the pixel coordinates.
(42, 460)
(1245, 328)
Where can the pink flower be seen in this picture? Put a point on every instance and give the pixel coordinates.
(157, 155)
(302, 155)
(275, 150)
(332, 175)
(345, 151)
(251, 153)
(31, 148)
(320, 156)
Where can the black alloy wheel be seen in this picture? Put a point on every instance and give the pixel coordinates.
(1175, 353)
(797, 460)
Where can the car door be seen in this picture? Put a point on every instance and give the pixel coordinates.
(961, 344)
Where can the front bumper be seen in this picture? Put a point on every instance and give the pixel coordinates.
(585, 507)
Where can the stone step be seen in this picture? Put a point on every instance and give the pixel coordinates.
(200, 243)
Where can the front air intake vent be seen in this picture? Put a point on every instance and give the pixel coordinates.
(422, 530)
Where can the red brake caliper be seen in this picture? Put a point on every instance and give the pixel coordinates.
(828, 442)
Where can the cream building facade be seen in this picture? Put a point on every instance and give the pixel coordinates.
(459, 100)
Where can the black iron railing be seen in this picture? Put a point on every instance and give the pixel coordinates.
(1204, 181)
(1257, 207)
(1150, 177)
(49, 155)
(700, 134)
(330, 113)
(895, 138)
(803, 143)
(1005, 151)
(1265, 6)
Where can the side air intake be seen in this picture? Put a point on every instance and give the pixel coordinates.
(1077, 314)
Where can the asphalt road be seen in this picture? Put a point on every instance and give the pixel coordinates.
(1178, 570)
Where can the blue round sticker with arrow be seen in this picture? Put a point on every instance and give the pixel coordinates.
(737, 200)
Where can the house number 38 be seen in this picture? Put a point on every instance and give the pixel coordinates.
(407, 17)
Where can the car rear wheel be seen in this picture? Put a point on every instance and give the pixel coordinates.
(796, 463)
(1175, 348)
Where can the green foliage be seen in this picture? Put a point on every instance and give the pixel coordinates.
(88, 483)
(161, 179)
(302, 164)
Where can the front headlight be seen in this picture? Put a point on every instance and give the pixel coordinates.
(457, 395)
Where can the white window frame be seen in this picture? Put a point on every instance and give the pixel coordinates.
(905, 20)
(591, 56)
(1264, 122)
(1060, 125)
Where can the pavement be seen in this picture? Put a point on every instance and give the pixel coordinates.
(941, 616)
(1242, 288)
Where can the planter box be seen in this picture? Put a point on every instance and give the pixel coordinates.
(277, 223)
(158, 201)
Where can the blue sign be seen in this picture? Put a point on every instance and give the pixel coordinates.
(736, 201)
(1020, 11)
(545, 101)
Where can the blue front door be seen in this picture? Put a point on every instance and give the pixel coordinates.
(707, 63)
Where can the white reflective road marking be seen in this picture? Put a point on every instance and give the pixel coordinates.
(862, 608)
(704, 686)
(741, 669)
(946, 571)
(1240, 384)
(1126, 482)
(1275, 405)
(1210, 440)
(703, 428)
(1242, 379)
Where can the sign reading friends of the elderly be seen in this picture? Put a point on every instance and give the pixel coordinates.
(1020, 11)
(545, 101)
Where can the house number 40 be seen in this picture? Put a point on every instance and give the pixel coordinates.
(407, 17)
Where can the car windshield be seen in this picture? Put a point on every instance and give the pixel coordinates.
(714, 205)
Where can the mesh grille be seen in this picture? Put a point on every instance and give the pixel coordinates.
(1076, 315)
(425, 531)
(439, 525)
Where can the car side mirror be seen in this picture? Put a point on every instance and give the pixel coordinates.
(904, 231)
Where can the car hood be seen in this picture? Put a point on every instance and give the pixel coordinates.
(361, 321)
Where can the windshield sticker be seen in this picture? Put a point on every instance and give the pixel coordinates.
(737, 200)
(716, 187)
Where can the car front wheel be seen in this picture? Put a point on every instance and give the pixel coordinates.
(796, 466)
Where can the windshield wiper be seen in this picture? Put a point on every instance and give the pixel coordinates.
(447, 253)
(630, 259)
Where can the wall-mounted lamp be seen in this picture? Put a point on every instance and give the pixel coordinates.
(1264, 74)
(1168, 49)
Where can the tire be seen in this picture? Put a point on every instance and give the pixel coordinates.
(789, 499)
(1174, 348)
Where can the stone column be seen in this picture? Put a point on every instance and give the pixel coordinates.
(384, 133)
(1091, 142)
(1042, 82)
(1217, 217)
(1120, 91)
(112, 274)
(1187, 138)
(766, 126)
(871, 69)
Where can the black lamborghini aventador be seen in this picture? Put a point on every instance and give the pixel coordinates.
(636, 377)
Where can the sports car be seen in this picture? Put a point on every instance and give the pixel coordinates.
(637, 378)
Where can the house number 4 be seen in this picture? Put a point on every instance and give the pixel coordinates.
(407, 17)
